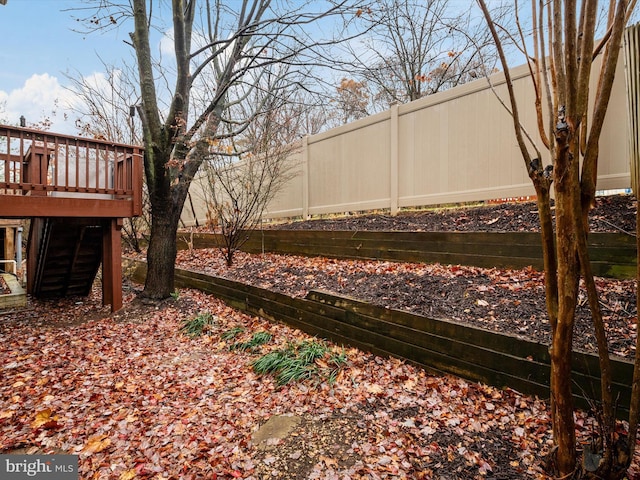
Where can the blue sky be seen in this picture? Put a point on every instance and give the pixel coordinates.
(39, 48)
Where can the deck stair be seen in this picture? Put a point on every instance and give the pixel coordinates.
(70, 253)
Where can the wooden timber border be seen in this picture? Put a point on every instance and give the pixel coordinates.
(612, 254)
(439, 346)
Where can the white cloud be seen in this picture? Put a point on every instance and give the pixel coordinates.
(42, 96)
(165, 46)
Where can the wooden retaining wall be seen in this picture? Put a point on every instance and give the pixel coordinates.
(612, 255)
(437, 345)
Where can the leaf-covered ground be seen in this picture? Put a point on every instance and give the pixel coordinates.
(135, 398)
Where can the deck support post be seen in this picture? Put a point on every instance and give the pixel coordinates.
(112, 264)
(33, 247)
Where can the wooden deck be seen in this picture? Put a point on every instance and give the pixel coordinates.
(76, 181)
(49, 175)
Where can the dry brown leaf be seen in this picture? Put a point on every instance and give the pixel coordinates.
(97, 443)
(42, 418)
(6, 414)
(128, 475)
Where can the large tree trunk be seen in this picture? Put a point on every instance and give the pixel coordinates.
(166, 209)
(161, 256)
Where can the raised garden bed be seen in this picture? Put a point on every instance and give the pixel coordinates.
(612, 254)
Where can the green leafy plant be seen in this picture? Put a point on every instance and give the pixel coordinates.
(232, 333)
(303, 361)
(258, 339)
(194, 327)
(336, 362)
(271, 362)
(310, 351)
(175, 294)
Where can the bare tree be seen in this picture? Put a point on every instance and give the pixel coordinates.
(105, 106)
(218, 49)
(415, 48)
(561, 66)
(106, 109)
(245, 171)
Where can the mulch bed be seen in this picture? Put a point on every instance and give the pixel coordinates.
(615, 213)
(510, 301)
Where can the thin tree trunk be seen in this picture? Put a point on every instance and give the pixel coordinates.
(548, 251)
(565, 175)
(561, 347)
(608, 419)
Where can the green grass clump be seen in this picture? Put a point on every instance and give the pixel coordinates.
(232, 333)
(258, 339)
(303, 361)
(194, 327)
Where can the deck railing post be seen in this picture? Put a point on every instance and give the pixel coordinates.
(136, 180)
(112, 264)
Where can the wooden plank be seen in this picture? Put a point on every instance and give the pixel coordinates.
(508, 344)
(23, 206)
(382, 248)
(612, 254)
(112, 264)
(475, 343)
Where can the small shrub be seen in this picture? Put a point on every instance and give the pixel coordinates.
(309, 352)
(271, 362)
(195, 326)
(336, 362)
(294, 370)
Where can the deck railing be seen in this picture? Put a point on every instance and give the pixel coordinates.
(40, 163)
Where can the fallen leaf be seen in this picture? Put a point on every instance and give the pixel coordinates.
(44, 419)
(97, 443)
(374, 389)
(128, 475)
(329, 462)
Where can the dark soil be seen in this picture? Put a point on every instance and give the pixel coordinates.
(616, 213)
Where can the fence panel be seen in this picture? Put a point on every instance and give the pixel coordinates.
(454, 146)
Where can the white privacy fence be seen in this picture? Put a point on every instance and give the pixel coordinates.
(632, 71)
(454, 146)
